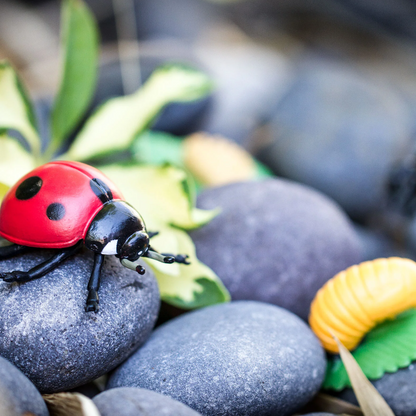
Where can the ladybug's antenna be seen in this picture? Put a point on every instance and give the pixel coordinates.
(133, 266)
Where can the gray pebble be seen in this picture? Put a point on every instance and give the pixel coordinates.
(243, 358)
(49, 336)
(398, 389)
(376, 244)
(275, 241)
(18, 396)
(340, 132)
(132, 401)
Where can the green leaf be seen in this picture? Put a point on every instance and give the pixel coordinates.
(388, 347)
(115, 124)
(14, 161)
(157, 148)
(188, 286)
(80, 44)
(159, 194)
(262, 171)
(162, 194)
(16, 109)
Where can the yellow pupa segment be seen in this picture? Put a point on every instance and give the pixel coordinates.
(360, 297)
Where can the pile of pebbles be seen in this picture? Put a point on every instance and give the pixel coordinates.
(274, 244)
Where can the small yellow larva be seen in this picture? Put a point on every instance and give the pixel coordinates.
(360, 297)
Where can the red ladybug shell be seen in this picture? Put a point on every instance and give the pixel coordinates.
(54, 207)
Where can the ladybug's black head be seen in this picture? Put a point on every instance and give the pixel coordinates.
(134, 247)
(118, 229)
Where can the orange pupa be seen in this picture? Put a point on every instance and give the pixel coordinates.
(357, 299)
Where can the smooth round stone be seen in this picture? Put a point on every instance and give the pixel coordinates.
(18, 396)
(340, 132)
(46, 332)
(243, 358)
(275, 241)
(398, 389)
(132, 401)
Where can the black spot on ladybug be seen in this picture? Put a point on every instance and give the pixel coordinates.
(29, 188)
(101, 189)
(55, 211)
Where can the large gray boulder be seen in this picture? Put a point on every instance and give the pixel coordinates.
(46, 332)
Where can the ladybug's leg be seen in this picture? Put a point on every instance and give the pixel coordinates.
(152, 233)
(42, 268)
(94, 284)
(166, 258)
(179, 258)
(13, 250)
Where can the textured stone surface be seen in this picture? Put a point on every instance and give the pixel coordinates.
(275, 241)
(398, 389)
(17, 394)
(132, 401)
(340, 132)
(243, 358)
(46, 332)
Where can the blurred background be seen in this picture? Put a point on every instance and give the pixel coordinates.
(322, 92)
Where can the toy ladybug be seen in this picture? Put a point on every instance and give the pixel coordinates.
(63, 205)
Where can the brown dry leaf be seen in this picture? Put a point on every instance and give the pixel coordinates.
(70, 404)
(330, 404)
(370, 400)
(216, 161)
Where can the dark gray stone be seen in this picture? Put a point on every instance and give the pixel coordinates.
(375, 244)
(275, 241)
(243, 358)
(398, 389)
(340, 132)
(411, 235)
(46, 332)
(18, 395)
(132, 401)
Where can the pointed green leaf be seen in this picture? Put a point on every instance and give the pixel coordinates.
(388, 347)
(159, 195)
(16, 110)
(80, 45)
(191, 286)
(14, 161)
(158, 148)
(262, 171)
(162, 194)
(115, 125)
